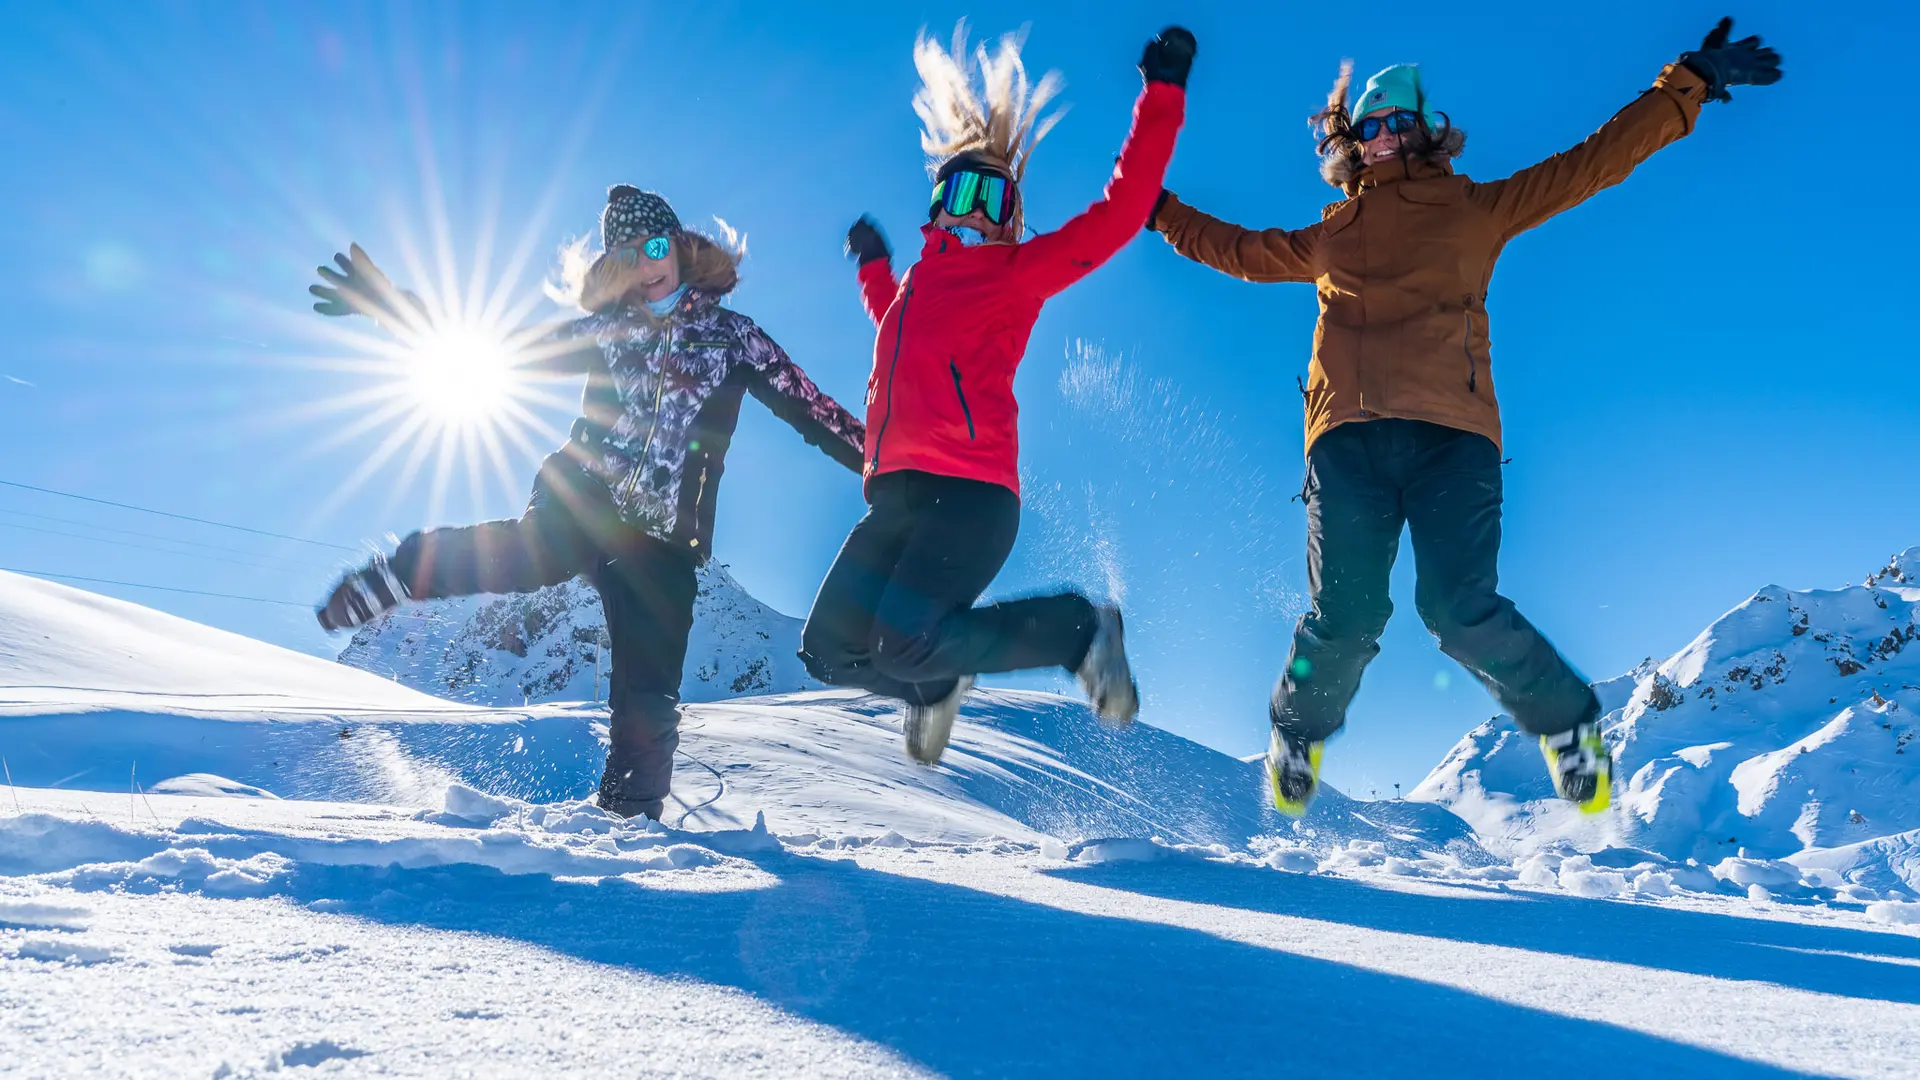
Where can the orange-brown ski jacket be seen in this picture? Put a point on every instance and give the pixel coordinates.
(1402, 265)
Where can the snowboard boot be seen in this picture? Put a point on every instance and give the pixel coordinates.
(929, 726)
(1580, 765)
(1105, 674)
(1293, 772)
(616, 796)
(361, 595)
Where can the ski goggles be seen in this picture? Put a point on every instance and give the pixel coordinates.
(656, 248)
(1399, 121)
(965, 191)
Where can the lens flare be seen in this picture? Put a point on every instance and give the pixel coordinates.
(461, 375)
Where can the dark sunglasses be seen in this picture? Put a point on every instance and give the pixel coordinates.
(1399, 121)
(963, 192)
(656, 248)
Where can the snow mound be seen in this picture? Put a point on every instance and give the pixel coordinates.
(208, 785)
(1782, 732)
(547, 646)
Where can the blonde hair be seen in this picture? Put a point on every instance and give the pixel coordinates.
(588, 280)
(1001, 124)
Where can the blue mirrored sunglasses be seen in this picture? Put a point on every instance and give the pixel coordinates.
(656, 248)
(1399, 121)
(963, 192)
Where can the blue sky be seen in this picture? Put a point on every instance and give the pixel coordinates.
(1706, 387)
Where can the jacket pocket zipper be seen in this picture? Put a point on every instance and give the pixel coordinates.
(961, 393)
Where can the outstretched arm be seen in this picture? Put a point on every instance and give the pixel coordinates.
(360, 287)
(1055, 260)
(1248, 254)
(1659, 116)
(783, 388)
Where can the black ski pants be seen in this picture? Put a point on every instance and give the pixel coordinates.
(895, 615)
(647, 588)
(1365, 482)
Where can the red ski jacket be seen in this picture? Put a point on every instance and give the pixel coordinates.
(955, 327)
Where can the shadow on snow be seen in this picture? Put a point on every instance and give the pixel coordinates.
(971, 983)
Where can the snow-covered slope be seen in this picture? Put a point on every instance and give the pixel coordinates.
(1784, 730)
(1054, 900)
(63, 649)
(99, 694)
(546, 646)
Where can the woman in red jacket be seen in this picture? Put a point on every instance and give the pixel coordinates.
(895, 615)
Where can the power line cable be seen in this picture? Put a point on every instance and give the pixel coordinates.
(144, 585)
(137, 532)
(177, 517)
(224, 559)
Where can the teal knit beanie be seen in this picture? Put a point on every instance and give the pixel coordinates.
(1397, 87)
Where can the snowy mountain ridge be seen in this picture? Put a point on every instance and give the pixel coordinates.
(550, 645)
(1781, 732)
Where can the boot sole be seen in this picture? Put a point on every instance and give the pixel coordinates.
(1292, 808)
(1602, 797)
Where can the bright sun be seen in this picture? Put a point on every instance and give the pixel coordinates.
(460, 375)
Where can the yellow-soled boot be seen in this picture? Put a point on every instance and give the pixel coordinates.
(1581, 767)
(1293, 772)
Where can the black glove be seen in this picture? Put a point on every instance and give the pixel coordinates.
(363, 289)
(1157, 205)
(1169, 57)
(1741, 63)
(866, 243)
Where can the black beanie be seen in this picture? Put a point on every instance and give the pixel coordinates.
(632, 214)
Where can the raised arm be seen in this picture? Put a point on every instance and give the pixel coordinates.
(1248, 254)
(867, 245)
(1055, 260)
(782, 387)
(1659, 116)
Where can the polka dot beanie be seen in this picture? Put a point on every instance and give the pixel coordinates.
(632, 214)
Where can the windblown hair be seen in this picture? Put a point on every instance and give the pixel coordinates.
(587, 279)
(1339, 146)
(998, 125)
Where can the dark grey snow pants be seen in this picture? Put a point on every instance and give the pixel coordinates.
(1365, 482)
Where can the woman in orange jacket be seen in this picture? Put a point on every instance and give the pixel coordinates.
(1403, 429)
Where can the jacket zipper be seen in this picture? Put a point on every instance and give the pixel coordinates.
(699, 494)
(659, 392)
(899, 329)
(954, 365)
(1473, 369)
